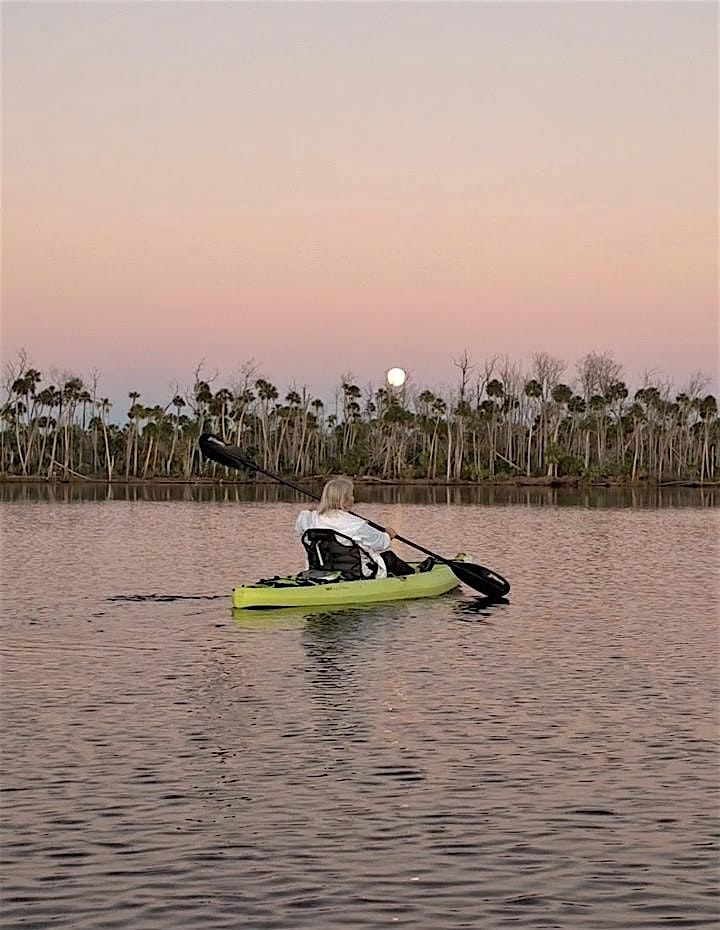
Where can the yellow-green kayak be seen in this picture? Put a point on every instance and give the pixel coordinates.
(294, 591)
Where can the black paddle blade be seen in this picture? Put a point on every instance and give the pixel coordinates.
(481, 579)
(216, 450)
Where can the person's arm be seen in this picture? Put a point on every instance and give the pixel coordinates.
(371, 539)
(302, 523)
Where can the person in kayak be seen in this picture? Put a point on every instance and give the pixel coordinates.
(332, 514)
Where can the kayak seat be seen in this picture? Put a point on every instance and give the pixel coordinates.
(329, 551)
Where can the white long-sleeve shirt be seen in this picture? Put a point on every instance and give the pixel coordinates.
(370, 540)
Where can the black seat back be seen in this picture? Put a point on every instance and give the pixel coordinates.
(328, 550)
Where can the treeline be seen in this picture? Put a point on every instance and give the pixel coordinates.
(496, 422)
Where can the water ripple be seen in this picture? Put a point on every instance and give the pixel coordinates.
(547, 762)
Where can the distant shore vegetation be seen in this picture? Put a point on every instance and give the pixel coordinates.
(496, 423)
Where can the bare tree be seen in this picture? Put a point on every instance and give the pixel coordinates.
(597, 371)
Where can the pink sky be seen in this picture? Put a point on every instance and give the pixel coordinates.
(333, 188)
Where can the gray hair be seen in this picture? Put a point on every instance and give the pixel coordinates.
(337, 495)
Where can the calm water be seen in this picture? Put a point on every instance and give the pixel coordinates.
(550, 762)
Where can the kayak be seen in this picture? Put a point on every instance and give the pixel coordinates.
(297, 591)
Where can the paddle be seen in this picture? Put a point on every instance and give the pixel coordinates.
(481, 579)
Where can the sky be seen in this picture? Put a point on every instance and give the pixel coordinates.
(332, 189)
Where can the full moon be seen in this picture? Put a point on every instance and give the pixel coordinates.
(396, 377)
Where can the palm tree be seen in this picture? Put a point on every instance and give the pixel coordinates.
(31, 379)
(152, 435)
(707, 408)
(639, 419)
(241, 406)
(439, 410)
(597, 406)
(684, 408)
(131, 432)
(202, 398)
(105, 406)
(351, 414)
(561, 395)
(24, 387)
(68, 398)
(84, 398)
(495, 391)
(576, 410)
(178, 402)
(615, 396)
(267, 393)
(533, 390)
(46, 399)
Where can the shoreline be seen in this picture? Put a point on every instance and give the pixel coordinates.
(516, 482)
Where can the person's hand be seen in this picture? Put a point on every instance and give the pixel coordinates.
(391, 532)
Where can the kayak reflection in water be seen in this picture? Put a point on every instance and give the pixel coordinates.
(332, 514)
